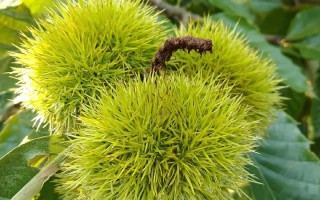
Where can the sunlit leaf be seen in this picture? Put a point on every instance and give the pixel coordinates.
(9, 3)
(15, 130)
(13, 20)
(17, 17)
(8, 35)
(37, 7)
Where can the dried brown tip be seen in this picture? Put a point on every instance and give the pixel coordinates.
(175, 43)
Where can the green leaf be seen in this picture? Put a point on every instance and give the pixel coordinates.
(286, 69)
(5, 59)
(315, 107)
(19, 179)
(6, 82)
(14, 169)
(291, 52)
(285, 166)
(315, 115)
(6, 62)
(16, 129)
(305, 24)
(37, 7)
(8, 35)
(276, 22)
(309, 48)
(17, 17)
(14, 20)
(5, 103)
(293, 105)
(259, 6)
(34, 186)
(199, 7)
(234, 7)
(48, 191)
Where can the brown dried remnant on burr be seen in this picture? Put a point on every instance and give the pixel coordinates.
(175, 43)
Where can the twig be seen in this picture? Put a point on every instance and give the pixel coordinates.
(274, 39)
(175, 43)
(176, 12)
(184, 16)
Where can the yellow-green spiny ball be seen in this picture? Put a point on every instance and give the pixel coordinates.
(166, 138)
(252, 77)
(81, 47)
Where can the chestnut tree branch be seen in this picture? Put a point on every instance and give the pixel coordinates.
(182, 15)
(175, 12)
(274, 39)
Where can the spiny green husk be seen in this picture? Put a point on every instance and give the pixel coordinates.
(81, 47)
(251, 76)
(165, 138)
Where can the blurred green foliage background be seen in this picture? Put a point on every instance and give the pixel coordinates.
(288, 31)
